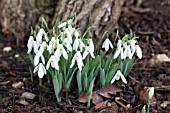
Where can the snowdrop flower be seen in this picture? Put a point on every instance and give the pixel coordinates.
(37, 59)
(106, 44)
(118, 52)
(30, 44)
(54, 63)
(151, 92)
(91, 45)
(77, 58)
(41, 70)
(40, 36)
(69, 37)
(138, 51)
(78, 43)
(42, 48)
(62, 25)
(36, 46)
(127, 52)
(76, 34)
(87, 51)
(133, 46)
(40, 54)
(117, 76)
(71, 29)
(51, 45)
(67, 44)
(60, 51)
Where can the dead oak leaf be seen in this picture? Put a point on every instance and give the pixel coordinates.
(97, 95)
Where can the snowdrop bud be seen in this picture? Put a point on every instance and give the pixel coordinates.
(30, 44)
(151, 92)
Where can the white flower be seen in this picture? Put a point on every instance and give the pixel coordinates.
(151, 92)
(51, 45)
(30, 44)
(62, 25)
(76, 34)
(118, 52)
(78, 43)
(127, 52)
(40, 54)
(40, 36)
(60, 51)
(54, 63)
(91, 45)
(106, 44)
(117, 76)
(41, 70)
(67, 44)
(37, 59)
(78, 58)
(42, 48)
(69, 37)
(138, 51)
(133, 46)
(87, 51)
(36, 46)
(71, 29)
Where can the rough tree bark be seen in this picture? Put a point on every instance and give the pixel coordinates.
(16, 16)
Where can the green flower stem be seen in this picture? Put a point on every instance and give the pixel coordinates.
(149, 102)
(40, 81)
(56, 86)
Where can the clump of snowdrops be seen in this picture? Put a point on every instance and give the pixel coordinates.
(70, 59)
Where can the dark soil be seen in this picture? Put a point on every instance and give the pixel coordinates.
(150, 21)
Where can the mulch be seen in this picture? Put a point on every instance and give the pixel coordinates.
(149, 20)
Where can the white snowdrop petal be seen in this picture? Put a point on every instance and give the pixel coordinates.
(36, 60)
(138, 51)
(75, 44)
(42, 59)
(73, 60)
(118, 51)
(48, 64)
(39, 35)
(65, 55)
(76, 34)
(62, 25)
(113, 79)
(85, 53)
(36, 46)
(36, 69)
(151, 92)
(123, 78)
(91, 45)
(41, 71)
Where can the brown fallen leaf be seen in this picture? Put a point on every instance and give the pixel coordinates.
(158, 59)
(101, 105)
(97, 95)
(143, 95)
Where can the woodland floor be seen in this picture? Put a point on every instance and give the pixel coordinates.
(150, 21)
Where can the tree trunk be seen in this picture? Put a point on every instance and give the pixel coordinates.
(16, 16)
